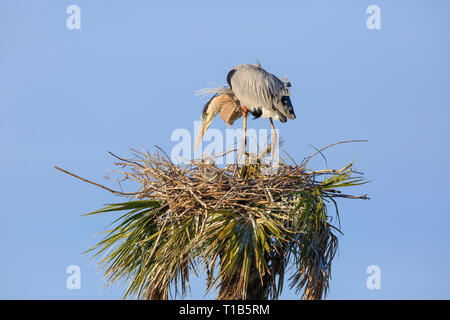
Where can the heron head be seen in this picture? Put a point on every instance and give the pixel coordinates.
(286, 107)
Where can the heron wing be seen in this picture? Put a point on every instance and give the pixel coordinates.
(254, 87)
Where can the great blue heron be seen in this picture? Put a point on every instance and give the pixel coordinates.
(251, 89)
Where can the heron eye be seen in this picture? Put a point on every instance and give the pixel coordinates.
(285, 100)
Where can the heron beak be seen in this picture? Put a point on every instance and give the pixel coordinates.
(203, 129)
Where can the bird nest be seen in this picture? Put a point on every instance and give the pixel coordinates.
(197, 188)
(201, 186)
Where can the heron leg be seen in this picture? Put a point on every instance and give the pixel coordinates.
(274, 141)
(244, 137)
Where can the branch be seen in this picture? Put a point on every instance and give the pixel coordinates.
(94, 183)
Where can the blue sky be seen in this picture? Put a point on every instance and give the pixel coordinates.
(128, 78)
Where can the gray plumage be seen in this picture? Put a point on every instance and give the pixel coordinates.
(251, 89)
(261, 92)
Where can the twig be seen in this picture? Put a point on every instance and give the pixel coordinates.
(94, 183)
(331, 145)
(138, 164)
(363, 197)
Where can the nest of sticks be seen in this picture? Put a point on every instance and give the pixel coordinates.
(199, 186)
